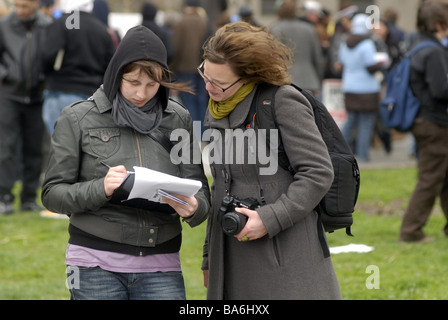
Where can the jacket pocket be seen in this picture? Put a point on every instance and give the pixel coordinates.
(104, 142)
(276, 250)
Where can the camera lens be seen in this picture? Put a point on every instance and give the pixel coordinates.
(233, 223)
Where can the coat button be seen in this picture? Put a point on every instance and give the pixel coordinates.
(105, 137)
(151, 231)
(151, 241)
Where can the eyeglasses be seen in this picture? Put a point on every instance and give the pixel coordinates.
(214, 85)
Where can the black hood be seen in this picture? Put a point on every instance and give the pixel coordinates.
(139, 43)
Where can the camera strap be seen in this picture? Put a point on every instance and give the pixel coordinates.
(227, 183)
(263, 201)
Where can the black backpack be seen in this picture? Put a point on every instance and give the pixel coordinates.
(337, 206)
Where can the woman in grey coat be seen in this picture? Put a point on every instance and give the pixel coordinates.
(277, 254)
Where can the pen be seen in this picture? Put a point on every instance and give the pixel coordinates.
(105, 164)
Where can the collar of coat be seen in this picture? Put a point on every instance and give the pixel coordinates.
(235, 119)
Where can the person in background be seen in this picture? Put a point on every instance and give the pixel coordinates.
(277, 255)
(359, 62)
(75, 58)
(429, 83)
(21, 87)
(341, 32)
(309, 63)
(390, 17)
(149, 12)
(46, 7)
(101, 11)
(125, 249)
(312, 11)
(246, 15)
(188, 36)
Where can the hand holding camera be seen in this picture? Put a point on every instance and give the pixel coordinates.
(239, 218)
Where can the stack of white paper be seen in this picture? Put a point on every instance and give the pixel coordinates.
(150, 184)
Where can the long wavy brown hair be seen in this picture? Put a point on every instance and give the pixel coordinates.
(253, 53)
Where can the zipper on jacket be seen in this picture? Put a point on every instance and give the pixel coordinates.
(138, 149)
(29, 76)
(144, 222)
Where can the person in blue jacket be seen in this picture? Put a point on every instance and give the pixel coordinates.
(358, 57)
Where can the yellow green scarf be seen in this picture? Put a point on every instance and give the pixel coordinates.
(222, 109)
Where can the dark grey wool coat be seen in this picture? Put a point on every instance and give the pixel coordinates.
(288, 262)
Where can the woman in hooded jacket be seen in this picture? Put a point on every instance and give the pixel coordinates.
(123, 250)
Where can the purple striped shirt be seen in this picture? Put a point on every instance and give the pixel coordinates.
(119, 262)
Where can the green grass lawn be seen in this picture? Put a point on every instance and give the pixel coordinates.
(32, 250)
(406, 270)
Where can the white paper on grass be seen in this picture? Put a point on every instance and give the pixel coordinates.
(360, 248)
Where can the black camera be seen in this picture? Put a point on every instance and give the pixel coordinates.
(233, 222)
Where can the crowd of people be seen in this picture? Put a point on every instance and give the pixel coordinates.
(119, 91)
(74, 61)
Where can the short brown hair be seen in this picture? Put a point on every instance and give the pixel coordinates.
(432, 13)
(287, 10)
(253, 53)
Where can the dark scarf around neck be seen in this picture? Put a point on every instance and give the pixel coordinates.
(143, 120)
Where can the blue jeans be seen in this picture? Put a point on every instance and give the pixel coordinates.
(358, 132)
(54, 102)
(98, 284)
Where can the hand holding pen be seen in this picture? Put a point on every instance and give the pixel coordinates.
(113, 178)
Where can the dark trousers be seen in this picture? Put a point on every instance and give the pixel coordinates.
(21, 136)
(196, 103)
(432, 142)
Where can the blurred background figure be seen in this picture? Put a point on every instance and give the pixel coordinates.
(308, 68)
(73, 66)
(188, 36)
(429, 84)
(246, 14)
(358, 57)
(101, 11)
(149, 12)
(21, 87)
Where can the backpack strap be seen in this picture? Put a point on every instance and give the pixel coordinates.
(422, 45)
(158, 136)
(320, 233)
(262, 115)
